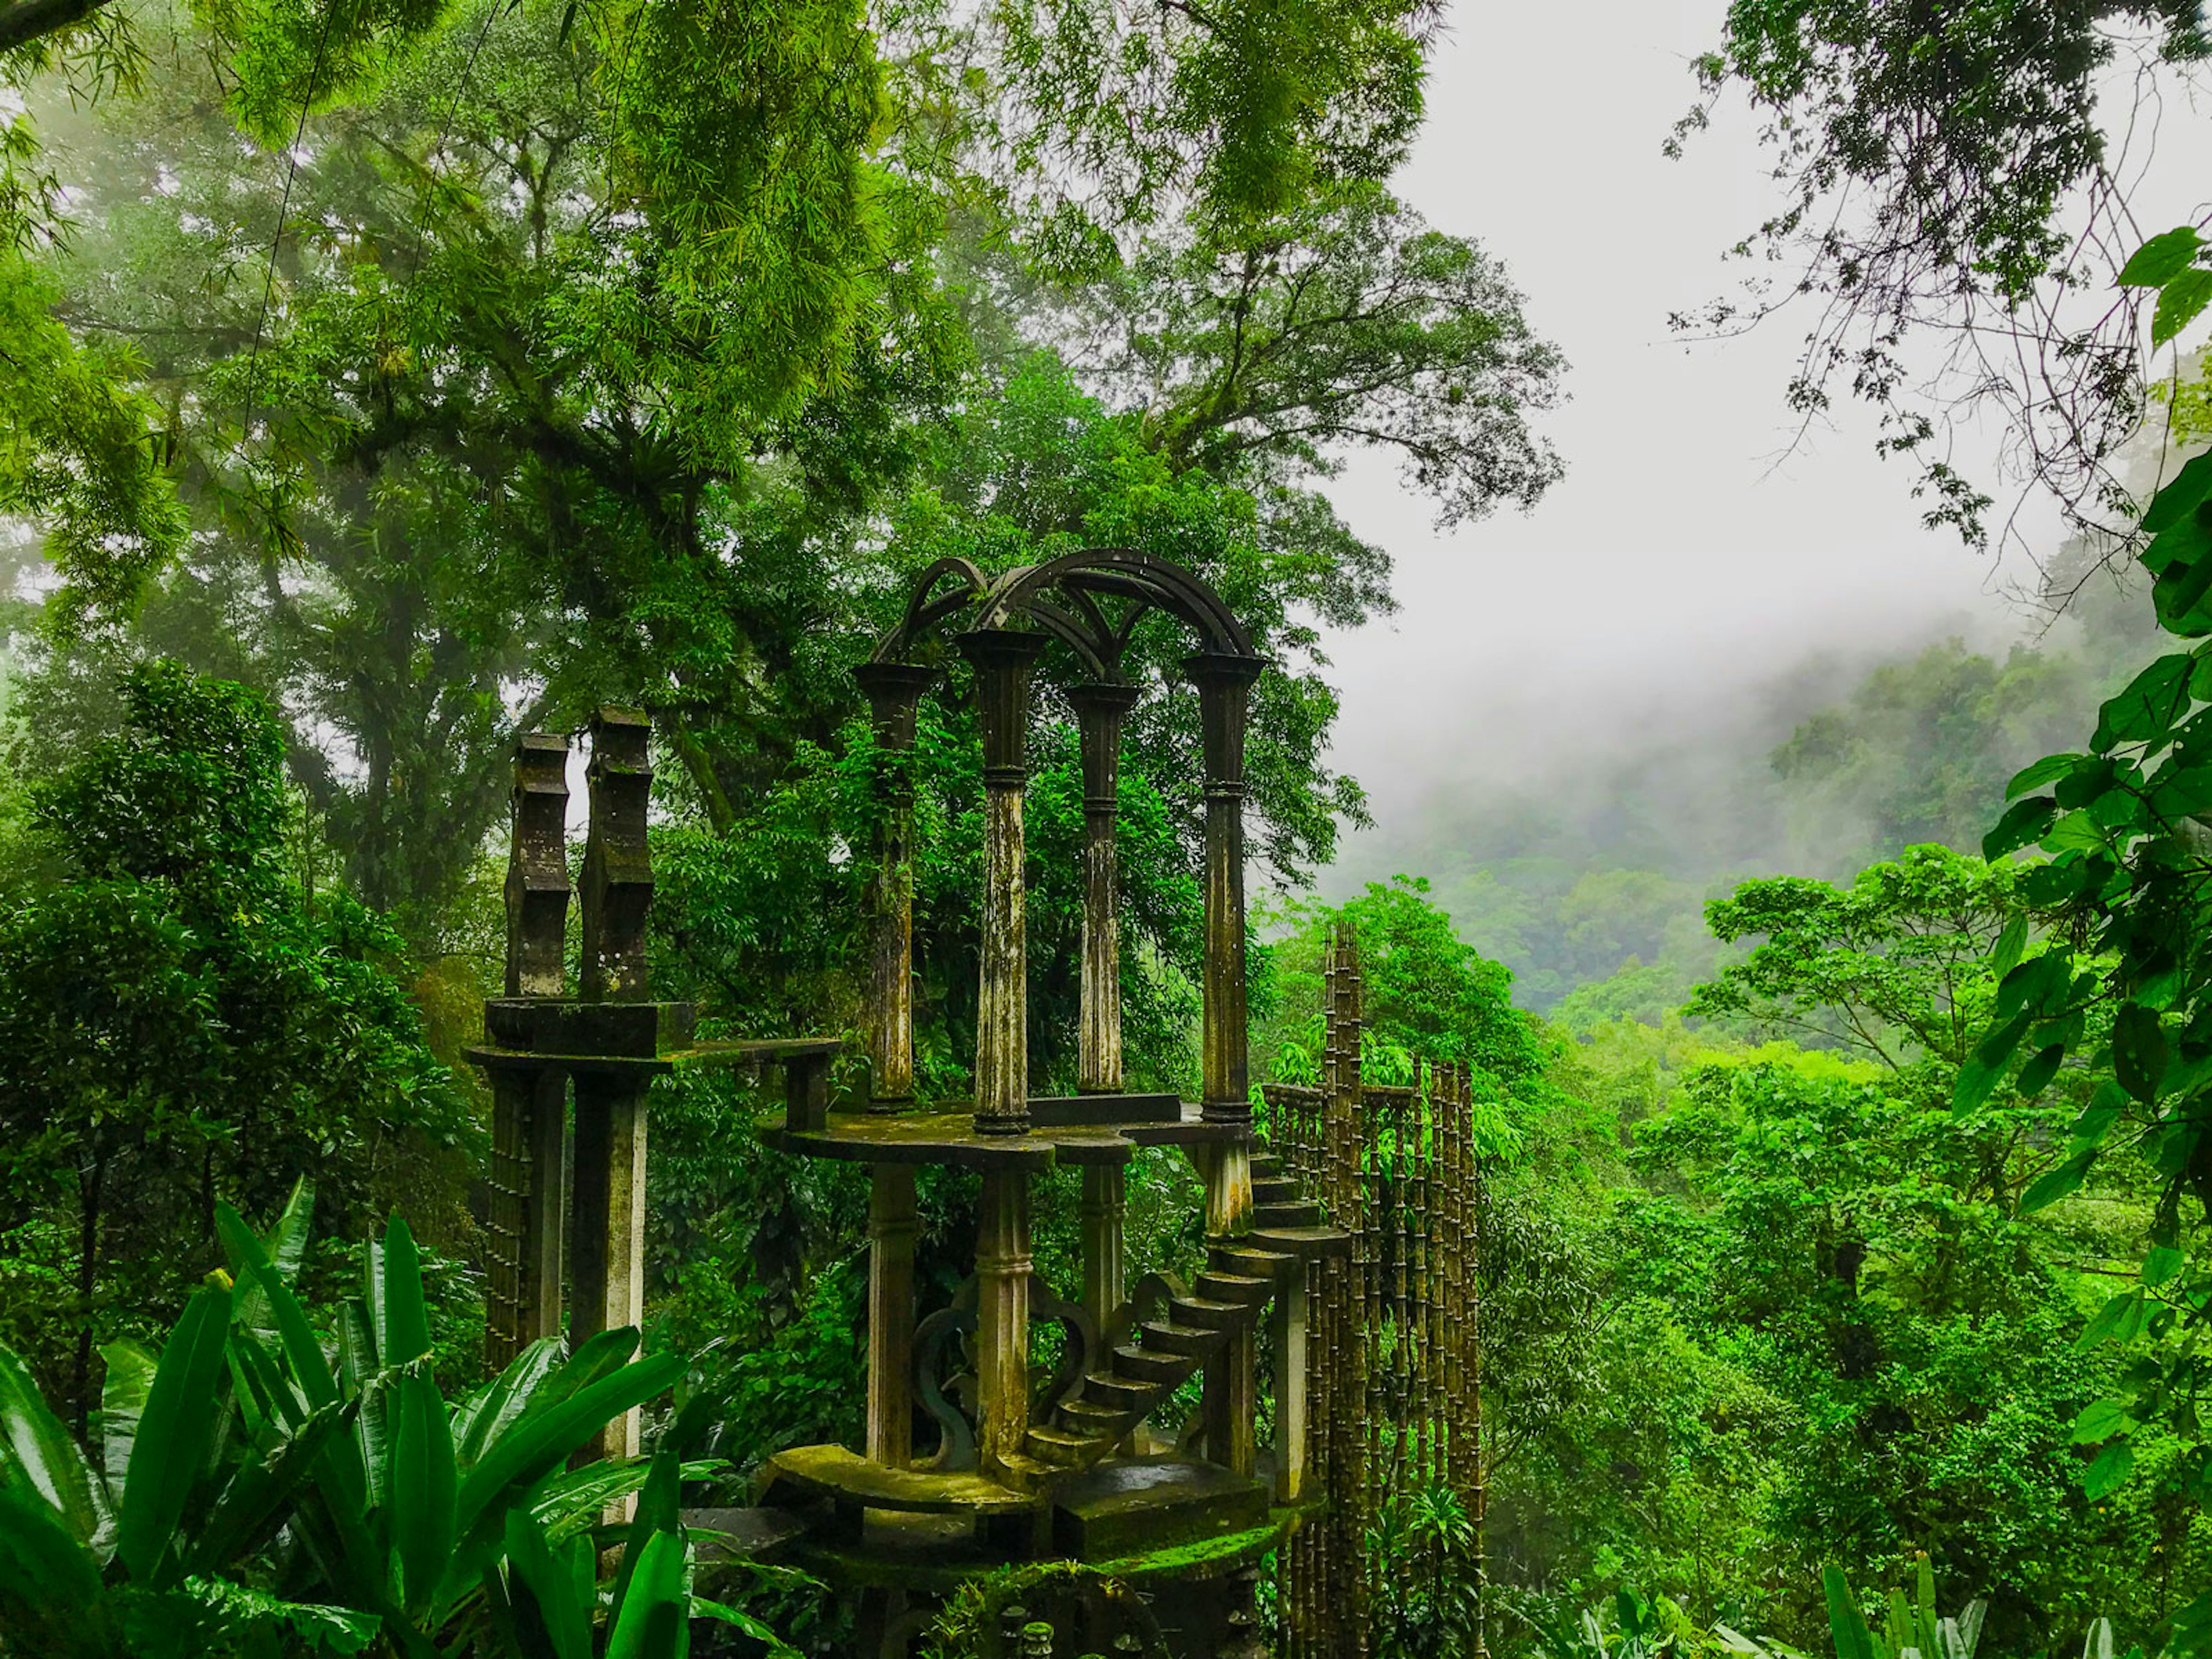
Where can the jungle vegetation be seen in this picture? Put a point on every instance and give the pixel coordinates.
(380, 382)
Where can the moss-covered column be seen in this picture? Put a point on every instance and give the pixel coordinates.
(609, 1249)
(610, 1221)
(530, 1106)
(890, 1315)
(1002, 659)
(1292, 1429)
(1224, 683)
(1003, 1265)
(894, 691)
(1098, 713)
(1103, 1216)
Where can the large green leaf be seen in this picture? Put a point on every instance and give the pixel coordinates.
(2147, 708)
(50, 1587)
(2023, 825)
(2122, 1319)
(405, 1334)
(34, 1445)
(654, 1620)
(130, 1377)
(544, 1435)
(2183, 494)
(419, 1489)
(1846, 1623)
(2052, 1185)
(659, 1499)
(2179, 302)
(356, 1370)
(2160, 259)
(491, 1410)
(174, 1434)
(2139, 1050)
(282, 1250)
(553, 1613)
(1979, 1076)
(2110, 1471)
(2100, 1420)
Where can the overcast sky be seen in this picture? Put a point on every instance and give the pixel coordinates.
(1683, 558)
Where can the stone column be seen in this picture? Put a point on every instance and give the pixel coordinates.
(1002, 659)
(608, 1215)
(894, 691)
(618, 865)
(530, 1106)
(537, 867)
(1102, 1216)
(1289, 1312)
(1224, 681)
(1229, 1401)
(891, 1228)
(1098, 712)
(1002, 1319)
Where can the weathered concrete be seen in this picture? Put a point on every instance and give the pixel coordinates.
(1099, 710)
(894, 691)
(1224, 682)
(1002, 659)
(891, 1227)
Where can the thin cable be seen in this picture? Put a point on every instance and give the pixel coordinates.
(493, 12)
(283, 207)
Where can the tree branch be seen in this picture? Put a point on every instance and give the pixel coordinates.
(31, 20)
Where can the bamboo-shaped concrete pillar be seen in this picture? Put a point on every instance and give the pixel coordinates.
(1002, 659)
(1098, 712)
(1224, 681)
(530, 1106)
(894, 691)
(891, 1227)
(609, 1253)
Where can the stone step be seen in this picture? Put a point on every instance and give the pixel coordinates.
(1235, 1287)
(1246, 1260)
(1208, 1314)
(1192, 1340)
(1152, 1365)
(1269, 1164)
(1031, 1470)
(1273, 1218)
(1060, 1448)
(1096, 1420)
(1274, 1192)
(1124, 1394)
(1302, 1241)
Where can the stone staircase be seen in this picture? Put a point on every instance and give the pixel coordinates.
(1240, 1280)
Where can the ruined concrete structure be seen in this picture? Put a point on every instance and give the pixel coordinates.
(1339, 1232)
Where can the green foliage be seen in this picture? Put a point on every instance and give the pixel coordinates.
(246, 1457)
(1435, 1612)
(183, 1023)
(1347, 321)
(1427, 993)
(1831, 1314)
(2122, 885)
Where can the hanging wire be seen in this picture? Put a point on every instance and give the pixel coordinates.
(283, 208)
